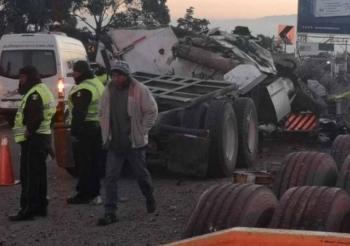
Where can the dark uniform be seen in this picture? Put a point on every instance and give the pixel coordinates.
(32, 131)
(85, 129)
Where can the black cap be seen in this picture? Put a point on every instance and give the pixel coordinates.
(31, 72)
(82, 67)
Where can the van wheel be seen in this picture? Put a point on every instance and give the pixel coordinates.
(229, 205)
(340, 149)
(222, 124)
(248, 138)
(305, 168)
(313, 208)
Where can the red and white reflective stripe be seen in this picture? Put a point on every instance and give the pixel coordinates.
(301, 122)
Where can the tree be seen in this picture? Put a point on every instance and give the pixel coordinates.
(189, 23)
(102, 13)
(33, 15)
(158, 9)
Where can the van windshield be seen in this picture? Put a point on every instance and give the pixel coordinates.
(13, 60)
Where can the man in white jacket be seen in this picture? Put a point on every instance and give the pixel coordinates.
(127, 112)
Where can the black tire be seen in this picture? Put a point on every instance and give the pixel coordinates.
(305, 168)
(248, 135)
(229, 205)
(223, 147)
(313, 208)
(340, 149)
(305, 100)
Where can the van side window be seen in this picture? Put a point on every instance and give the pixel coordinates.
(12, 60)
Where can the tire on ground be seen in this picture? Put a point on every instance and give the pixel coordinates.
(223, 147)
(305, 168)
(313, 208)
(248, 138)
(343, 180)
(229, 205)
(340, 149)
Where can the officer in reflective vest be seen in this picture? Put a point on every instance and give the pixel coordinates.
(83, 102)
(32, 131)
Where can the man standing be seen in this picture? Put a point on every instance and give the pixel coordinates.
(83, 103)
(32, 131)
(127, 113)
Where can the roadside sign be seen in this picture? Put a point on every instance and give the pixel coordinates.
(287, 34)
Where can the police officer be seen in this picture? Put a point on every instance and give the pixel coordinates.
(83, 103)
(32, 131)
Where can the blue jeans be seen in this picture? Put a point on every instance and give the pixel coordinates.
(137, 160)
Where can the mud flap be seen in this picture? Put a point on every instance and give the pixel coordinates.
(188, 155)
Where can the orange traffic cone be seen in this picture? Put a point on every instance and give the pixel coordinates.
(6, 170)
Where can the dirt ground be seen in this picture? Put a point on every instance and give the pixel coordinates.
(76, 224)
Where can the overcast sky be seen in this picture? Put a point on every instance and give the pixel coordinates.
(232, 9)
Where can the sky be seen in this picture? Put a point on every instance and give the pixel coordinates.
(232, 9)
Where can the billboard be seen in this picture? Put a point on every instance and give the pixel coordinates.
(324, 16)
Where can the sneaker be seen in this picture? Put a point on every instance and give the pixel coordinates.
(107, 219)
(77, 200)
(96, 201)
(151, 205)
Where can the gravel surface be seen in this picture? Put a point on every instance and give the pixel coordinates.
(76, 224)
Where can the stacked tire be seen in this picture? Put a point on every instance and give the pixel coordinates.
(305, 168)
(229, 205)
(313, 208)
(340, 149)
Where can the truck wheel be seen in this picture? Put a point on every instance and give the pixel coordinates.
(313, 208)
(222, 124)
(305, 168)
(340, 149)
(248, 139)
(343, 180)
(229, 205)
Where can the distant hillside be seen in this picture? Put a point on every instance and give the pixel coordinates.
(266, 25)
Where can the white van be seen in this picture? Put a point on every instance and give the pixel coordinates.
(53, 54)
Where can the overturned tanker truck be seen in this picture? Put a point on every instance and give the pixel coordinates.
(213, 91)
